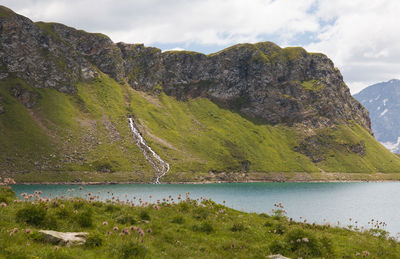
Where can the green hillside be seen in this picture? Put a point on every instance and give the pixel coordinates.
(85, 137)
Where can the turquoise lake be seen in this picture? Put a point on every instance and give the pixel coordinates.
(316, 202)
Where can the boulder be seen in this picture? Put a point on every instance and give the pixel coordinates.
(64, 238)
(278, 256)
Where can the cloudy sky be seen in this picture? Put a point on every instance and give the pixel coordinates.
(360, 36)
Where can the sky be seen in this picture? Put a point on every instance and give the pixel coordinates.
(360, 36)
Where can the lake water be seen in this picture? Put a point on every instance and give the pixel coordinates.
(316, 202)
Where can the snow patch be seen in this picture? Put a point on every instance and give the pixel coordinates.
(384, 102)
(384, 112)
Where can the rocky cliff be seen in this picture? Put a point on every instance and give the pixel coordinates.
(259, 80)
(244, 113)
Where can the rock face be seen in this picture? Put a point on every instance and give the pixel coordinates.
(382, 102)
(261, 81)
(37, 55)
(64, 238)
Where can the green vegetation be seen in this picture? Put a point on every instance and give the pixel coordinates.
(175, 230)
(312, 85)
(5, 12)
(85, 136)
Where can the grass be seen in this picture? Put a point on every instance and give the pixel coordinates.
(183, 229)
(85, 137)
(312, 85)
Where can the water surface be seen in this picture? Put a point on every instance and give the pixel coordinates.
(316, 202)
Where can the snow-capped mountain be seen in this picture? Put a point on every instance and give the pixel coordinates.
(382, 100)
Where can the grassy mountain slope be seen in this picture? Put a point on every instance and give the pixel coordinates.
(85, 137)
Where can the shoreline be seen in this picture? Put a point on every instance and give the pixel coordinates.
(95, 178)
(205, 182)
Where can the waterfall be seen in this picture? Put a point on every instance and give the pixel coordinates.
(160, 166)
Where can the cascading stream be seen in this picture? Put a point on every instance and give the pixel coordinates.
(160, 166)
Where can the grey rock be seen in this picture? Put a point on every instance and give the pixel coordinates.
(260, 81)
(64, 238)
(26, 97)
(278, 256)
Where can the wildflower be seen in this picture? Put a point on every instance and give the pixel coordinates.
(109, 232)
(3, 204)
(11, 234)
(105, 223)
(56, 248)
(15, 230)
(121, 234)
(298, 240)
(133, 227)
(149, 230)
(305, 240)
(28, 231)
(115, 228)
(75, 212)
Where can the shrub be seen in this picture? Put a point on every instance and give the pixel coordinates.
(126, 219)
(205, 227)
(38, 237)
(63, 213)
(50, 222)
(279, 246)
(178, 220)
(111, 208)
(276, 227)
(183, 206)
(84, 218)
(78, 205)
(32, 214)
(306, 244)
(237, 227)
(201, 213)
(94, 240)
(6, 194)
(131, 250)
(144, 215)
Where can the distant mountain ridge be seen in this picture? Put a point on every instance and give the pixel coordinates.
(382, 100)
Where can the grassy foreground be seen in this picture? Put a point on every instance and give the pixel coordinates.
(175, 227)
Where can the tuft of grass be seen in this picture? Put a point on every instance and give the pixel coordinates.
(312, 85)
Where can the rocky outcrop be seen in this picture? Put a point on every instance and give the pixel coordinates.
(34, 53)
(26, 97)
(64, 238)
(261, 81)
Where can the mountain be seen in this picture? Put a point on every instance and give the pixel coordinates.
(248, 112)
(382, 102)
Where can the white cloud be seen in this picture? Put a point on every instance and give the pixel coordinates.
(363, 40)
(174, 49)
(360, 36)
(218, 22)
